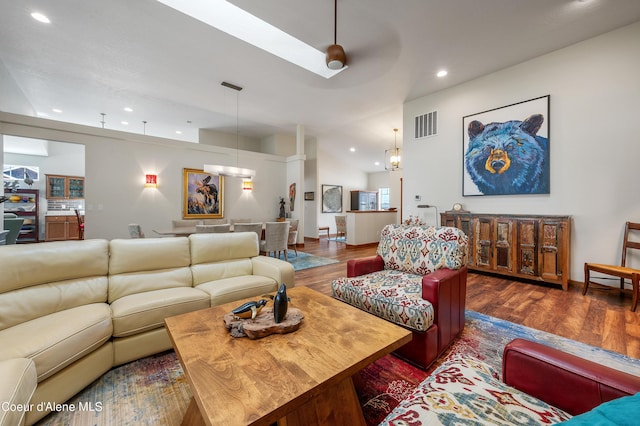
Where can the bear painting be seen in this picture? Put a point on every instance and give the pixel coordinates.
(508, 157)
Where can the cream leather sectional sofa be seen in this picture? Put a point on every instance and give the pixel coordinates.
(72, 310)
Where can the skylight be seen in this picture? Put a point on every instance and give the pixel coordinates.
(241, 24)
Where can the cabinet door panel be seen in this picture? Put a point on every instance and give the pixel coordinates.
(484, 238)
(551, 237)
(56, 231)
(76, 187)
(504, 238)
(466, 226)
(527, 247)
(56, 187)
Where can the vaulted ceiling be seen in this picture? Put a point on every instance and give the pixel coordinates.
(99, 57)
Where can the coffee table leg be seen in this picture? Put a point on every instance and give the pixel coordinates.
(336, 405)
(193, 417)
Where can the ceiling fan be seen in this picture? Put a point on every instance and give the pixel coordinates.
(336, 58)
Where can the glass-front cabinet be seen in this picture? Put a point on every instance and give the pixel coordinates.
(64, 187)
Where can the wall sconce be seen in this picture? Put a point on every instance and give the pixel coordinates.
(247, 184)
(151, 181)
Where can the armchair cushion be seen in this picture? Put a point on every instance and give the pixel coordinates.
(393, 295)
(422, 249)
(467, 391)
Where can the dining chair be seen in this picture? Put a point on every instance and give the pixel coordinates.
(214, 221)
(80, 224)
(13, 224)
(212, 228)
(631, 240)
(341, 226)
(293, 235)
(234, 221)
(276, 237)
(249, 227)
(135, 231)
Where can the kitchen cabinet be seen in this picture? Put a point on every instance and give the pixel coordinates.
(364, 200)
(24, 203)
(61, 187)
(523, 246)
(61, 228)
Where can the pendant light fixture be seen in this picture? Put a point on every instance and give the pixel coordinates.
(231, 171)
(336, 58)
(392, 157)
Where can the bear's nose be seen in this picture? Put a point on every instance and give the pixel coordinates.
(497, 165)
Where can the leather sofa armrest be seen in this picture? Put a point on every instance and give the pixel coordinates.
(278, 270)
(563, 380)
(364, 265)
(446, 289)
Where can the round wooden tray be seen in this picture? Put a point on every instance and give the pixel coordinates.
(264, 324)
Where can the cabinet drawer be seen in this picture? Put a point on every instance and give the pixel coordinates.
(56, 219)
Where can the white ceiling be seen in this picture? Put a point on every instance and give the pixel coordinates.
(98, 57)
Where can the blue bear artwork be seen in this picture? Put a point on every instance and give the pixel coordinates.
(508, 157)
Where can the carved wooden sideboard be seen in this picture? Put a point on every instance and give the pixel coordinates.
(526, 246)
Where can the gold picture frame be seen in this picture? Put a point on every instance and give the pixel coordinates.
(203, 195)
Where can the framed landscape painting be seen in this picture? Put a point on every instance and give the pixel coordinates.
(506, 150)
(331, 199)
(203, 195)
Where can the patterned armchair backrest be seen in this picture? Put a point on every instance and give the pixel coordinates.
(422, 249)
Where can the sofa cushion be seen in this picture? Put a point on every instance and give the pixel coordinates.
(422, 249)
(141, 312)
(393, 295)
(466, 391)
(206, 272)
(57, 340)
(236, 288)
(19, 382)
(208, 248)
(33, 302)
(25, 265)
(141, 282)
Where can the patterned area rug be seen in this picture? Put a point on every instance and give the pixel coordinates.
(154, 391)
(305, 260)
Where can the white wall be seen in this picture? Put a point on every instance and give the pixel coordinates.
(334, 170)
(595, 107)
(116, 163)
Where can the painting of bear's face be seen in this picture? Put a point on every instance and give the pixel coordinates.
(506, 157)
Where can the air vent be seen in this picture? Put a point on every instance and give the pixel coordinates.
(426, 125)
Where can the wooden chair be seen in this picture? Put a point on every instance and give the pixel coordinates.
(324, 229)
(622, 271)
(341, 227)
(80, 225)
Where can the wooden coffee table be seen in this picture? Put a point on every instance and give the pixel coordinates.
(299, 378)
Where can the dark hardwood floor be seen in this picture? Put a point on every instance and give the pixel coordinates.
(601, 318)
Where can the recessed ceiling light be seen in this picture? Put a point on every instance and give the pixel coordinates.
(377, 163)
(126, 123)
(59, 111)
(40, 17)
(239, 23)
(128, 109)
(442, 73)
(352, 149)
(179, 132)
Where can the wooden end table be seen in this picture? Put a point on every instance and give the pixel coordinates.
(299, 378)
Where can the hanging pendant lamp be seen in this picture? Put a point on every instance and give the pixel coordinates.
(336, 58)
(230, 170)
(392, 157)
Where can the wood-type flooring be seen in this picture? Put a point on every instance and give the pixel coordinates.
(601, 318)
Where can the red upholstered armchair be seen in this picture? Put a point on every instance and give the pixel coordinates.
(417, 280)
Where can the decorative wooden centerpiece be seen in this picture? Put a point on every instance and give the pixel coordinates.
(251, 320)
(263, 324)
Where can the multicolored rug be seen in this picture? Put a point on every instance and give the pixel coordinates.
(305, 260)
(154, 391)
